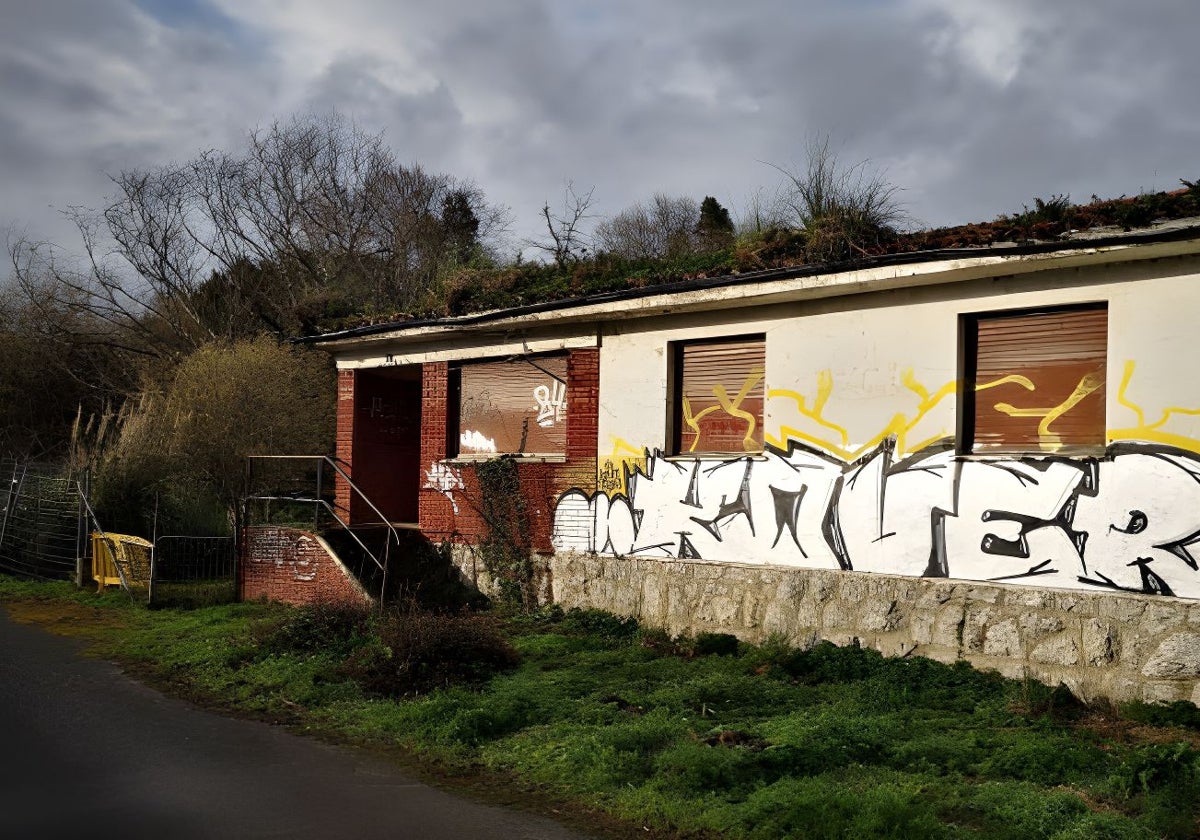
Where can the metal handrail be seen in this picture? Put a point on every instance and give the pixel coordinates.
(316, 501)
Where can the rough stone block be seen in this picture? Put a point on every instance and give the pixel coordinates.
(881, 616)
(1003, 639)
(1036, 626)
(920, 627)
(1161, 617)
(1031, 598)
(1060, 650)
(1176, 657)
(1163, 692)
(984, 594)
(974, 628)
(1099, 642)
(949, 628)
(1124, 609)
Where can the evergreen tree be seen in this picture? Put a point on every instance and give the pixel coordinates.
(715, 228)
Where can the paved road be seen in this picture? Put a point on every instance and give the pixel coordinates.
(86, 752)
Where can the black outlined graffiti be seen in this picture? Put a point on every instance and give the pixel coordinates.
(728, 511)
(787, 510)
(1126, 520)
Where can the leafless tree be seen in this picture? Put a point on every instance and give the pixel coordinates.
(566, 241)
(666, 226)
(314, 217)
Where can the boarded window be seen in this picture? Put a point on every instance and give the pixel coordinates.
(1035, 380)
(513, 407)
(718, 395)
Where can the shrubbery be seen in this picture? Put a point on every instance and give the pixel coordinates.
(405, 650)
(415, 650)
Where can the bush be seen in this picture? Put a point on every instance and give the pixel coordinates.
(416, 651)
(599, 623)
(334, 626)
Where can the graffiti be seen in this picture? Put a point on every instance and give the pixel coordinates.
(831, 437)
(445, 479)
(612, 472)
(732, 407)
(472, 441)
(551, 403)
(304, 566)
(1129, 520)
(1152, 431)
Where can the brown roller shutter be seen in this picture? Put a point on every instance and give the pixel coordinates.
(1039, 380)
(513, 407)
(719, 400)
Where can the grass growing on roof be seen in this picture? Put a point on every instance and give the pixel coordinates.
(692, 737)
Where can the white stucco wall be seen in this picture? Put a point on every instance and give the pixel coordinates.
(860, 390)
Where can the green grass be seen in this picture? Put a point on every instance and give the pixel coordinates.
(695, 737)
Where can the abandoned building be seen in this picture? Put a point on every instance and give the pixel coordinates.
(984, 453)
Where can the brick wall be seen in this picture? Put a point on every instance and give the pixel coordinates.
(345, 437)
(449, 496)
(293, 566)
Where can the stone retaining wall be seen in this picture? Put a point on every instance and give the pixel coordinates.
(1112, 645)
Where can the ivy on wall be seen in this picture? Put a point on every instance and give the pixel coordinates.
(506, 550)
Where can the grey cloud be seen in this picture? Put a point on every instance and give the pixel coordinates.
(686, 96)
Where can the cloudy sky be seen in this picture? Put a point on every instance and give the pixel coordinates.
(973, 107)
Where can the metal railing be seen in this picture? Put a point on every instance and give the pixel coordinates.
(186, 570)
(313, 490)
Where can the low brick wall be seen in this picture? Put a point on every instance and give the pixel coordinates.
(1117, 646)
(293, 566)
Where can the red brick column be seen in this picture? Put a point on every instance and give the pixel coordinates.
(436, 509)
(345, 438)
(583, 421)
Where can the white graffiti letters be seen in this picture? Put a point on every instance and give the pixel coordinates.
(1127, 521)
(551, 403)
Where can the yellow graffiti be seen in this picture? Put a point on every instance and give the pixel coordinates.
(1151, 431)
(611, 471)
(899, 426)
(1012, 379)
(1050, 441)
(834, 439)
(730, 407)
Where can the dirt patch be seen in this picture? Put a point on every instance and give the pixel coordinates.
(66, 618)
(1110, 728)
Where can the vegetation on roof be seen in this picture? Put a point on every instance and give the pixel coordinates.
(1056, 218)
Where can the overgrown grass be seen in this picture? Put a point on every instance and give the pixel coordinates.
(692, 737)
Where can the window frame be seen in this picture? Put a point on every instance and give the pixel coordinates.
(968, 367)
(454, 404)
(674, 431)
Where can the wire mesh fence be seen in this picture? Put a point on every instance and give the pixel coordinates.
(42, 532)
(193, 571)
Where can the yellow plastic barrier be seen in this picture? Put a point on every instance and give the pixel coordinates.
(114, 554)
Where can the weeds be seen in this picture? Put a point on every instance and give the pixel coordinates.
(415, 651)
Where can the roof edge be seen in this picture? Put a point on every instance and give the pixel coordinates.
(1000, 253)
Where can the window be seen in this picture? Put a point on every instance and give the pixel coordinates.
(1033, 380)
(717, 395)
(512, 407)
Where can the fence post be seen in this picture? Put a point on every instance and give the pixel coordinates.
(8, 503)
